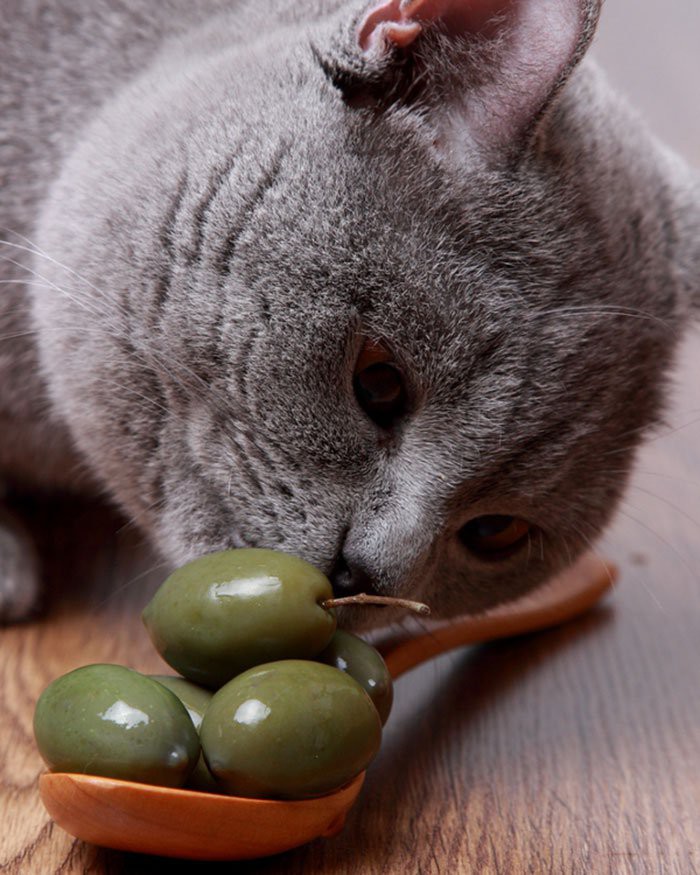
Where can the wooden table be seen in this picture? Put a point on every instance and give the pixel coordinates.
(575, 750)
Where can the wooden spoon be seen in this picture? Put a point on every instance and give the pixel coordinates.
(206, 826)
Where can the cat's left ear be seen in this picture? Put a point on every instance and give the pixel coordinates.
(494, 66)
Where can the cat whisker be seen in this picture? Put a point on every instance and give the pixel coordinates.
(674, 430)
(663, 540)
(30, 283)
(664, 431)
(17, 335)
(99, 332)
(147, 359)
(33, 249)
(599, 310)
(668, 503)
(117, 331)
(131, 582)
(567, 547)
(80, 304)
(632, 433)
(131, 391)
(595, 552)
(529, 548)
(675, 477)
(132, 523)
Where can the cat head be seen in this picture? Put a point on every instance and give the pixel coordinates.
(392, 291)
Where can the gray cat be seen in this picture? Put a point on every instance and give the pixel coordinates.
(394, 286)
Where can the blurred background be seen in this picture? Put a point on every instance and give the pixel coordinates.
(651, 51)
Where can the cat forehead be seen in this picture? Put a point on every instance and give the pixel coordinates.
(394, 207)
(420, 259)
(406, 243)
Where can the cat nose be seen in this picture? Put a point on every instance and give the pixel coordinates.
(350, 578)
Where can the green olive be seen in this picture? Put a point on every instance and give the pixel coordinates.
(289, 730)
(109, 720)
(195, 699)
(227, 612)
(362, 662)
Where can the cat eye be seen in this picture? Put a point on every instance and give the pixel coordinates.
(495, 536)
(379, 385)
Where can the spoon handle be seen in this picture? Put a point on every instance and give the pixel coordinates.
(564, 597)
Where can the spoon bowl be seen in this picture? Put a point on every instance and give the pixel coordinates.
(207, 826)
(188, 824)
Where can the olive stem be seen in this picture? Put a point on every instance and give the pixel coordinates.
(363, 598)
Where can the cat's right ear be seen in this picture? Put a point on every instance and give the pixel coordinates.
(485, 71)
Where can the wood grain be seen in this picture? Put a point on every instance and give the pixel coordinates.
(570, 751)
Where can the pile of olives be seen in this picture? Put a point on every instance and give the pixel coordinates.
(273, 702)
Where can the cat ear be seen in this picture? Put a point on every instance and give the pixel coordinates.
(400, 22)
(524, 51)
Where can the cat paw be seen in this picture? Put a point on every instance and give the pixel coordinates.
(19, 572)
